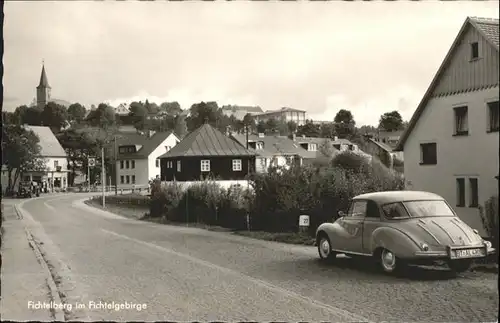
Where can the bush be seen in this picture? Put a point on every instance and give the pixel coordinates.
(489, 217)
(350, 161)
(282, 195)
(278, 197)
(205, 202)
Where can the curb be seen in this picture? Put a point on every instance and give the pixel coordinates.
(58, 313)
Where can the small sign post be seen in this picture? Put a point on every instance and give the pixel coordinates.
(303, 223)
(90, 163)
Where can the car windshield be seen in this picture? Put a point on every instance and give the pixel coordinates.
(419, 209)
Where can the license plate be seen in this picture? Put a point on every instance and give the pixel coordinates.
(468, 253)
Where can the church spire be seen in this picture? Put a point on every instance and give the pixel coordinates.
(44, 82)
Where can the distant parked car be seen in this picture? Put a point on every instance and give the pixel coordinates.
(28, 189)
(402, 227)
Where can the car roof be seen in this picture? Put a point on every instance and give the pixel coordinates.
(398, 196)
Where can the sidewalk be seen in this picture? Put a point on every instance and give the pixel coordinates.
(23, 278)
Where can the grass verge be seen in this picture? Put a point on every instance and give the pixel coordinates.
(138, 212)
(291, 238)
(132, 212)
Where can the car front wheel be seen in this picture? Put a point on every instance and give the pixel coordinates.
(460, 266)
(325, 248)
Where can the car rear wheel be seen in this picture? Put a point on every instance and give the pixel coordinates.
(460, 266)
(325, 248)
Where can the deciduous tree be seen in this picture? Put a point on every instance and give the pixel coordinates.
(203, 112)
(309, 129)
(76, 113)
(180, 128)
(345, 126)
(171, 108)
(103, 117)
(20, 152)
(391, 121)
(79, 145)
(54, 116)
(327, 130)
(29, 115)
(261, 126)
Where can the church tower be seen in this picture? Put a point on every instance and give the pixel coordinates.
(43, 90)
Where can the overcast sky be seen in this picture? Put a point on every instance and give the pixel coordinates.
(321, 57)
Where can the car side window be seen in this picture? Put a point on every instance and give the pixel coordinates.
(395, 211)
(357, 208)
(372, 210)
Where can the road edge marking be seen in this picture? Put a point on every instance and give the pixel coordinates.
(80, 203)
(339, 312)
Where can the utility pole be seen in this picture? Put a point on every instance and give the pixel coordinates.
(88, 173)
(116, 167)
(103, 178)
(248, 179)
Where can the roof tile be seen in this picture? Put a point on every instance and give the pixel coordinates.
(207, 141)
(50, 146)
(489, 27)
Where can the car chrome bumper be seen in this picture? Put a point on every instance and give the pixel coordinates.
(448, 252)
(431, 254)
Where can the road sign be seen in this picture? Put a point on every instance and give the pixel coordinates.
(91, 162)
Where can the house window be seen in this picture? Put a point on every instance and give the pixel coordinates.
(474, 50)
(133, 164)
(127, 164)
(260, 145)
(461, 122)
(205, 165)
(169, 164)
(126, 149)
(56, 163)
(236, 165)
(133, 179)
(428, 154)
(313, 147)
(474, 192)
(460, 192)
(493, 117)
(167, 148)
(157, 162)
(178, 165)
(128, 179)
(121, 164)
(122, 179)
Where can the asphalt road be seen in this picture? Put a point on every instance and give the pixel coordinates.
(188, 274)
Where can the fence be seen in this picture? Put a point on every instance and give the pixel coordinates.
(110, 188)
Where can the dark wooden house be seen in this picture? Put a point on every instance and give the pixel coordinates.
(207, 152)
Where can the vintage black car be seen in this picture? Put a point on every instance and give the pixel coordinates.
(28, 189)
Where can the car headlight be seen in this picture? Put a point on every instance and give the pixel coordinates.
(488, 244)
(424, 246)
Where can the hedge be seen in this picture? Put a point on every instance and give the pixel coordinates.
(278, 197)
(489, 217)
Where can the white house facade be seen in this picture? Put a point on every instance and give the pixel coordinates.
(284, 114)
(138, 163)
(452, 141)
(55, 175)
